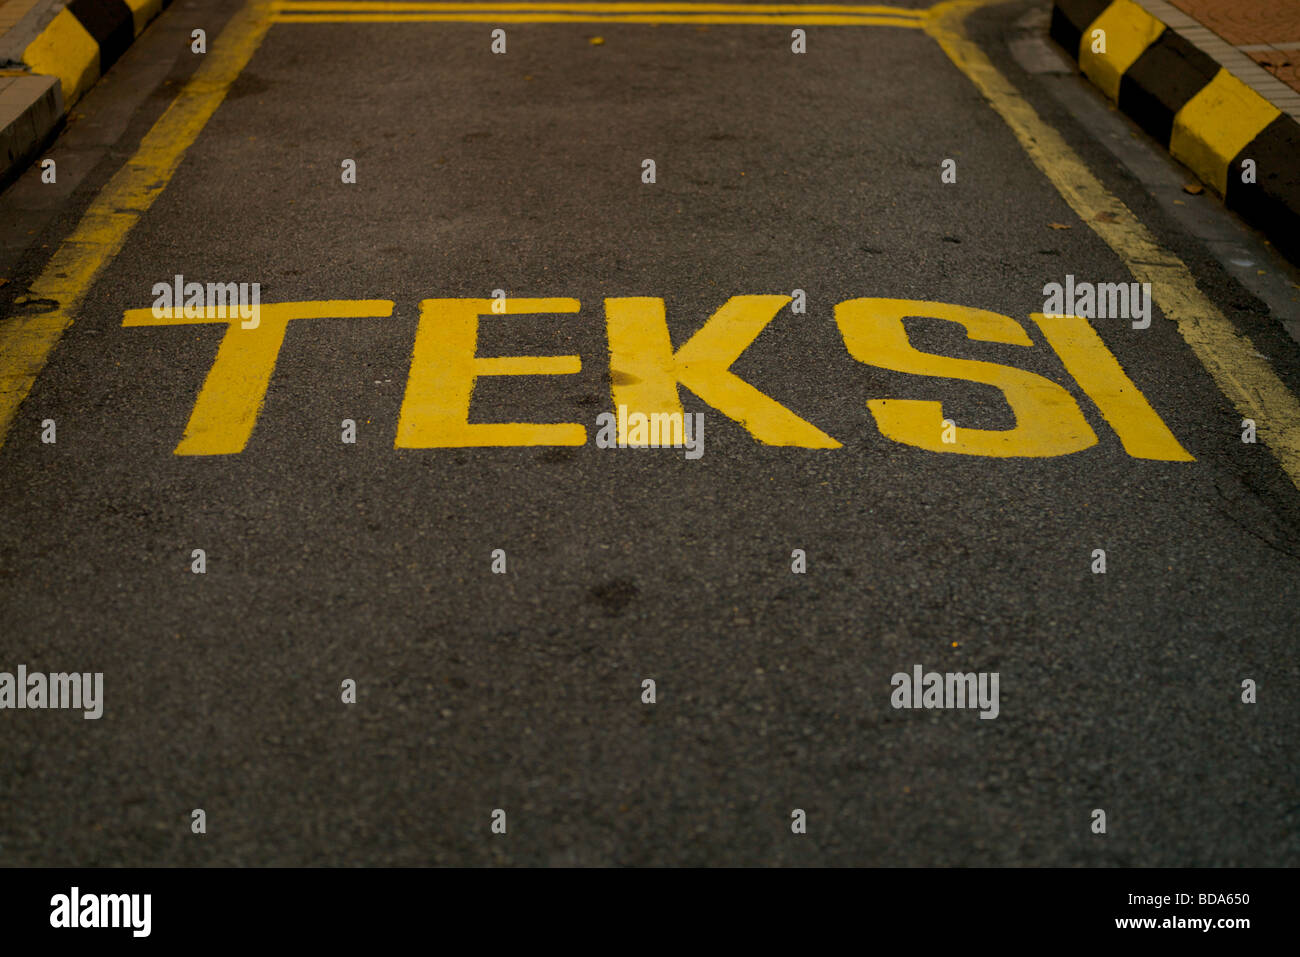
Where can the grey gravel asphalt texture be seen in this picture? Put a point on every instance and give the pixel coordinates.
(523, 691)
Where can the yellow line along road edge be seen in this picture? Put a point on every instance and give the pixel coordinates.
(29, 337)
(1229, 357)
(1246, 379)
(26, 340)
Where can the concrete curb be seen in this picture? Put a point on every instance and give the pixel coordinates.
(1201, 99)
(31, 107)
(70, 48)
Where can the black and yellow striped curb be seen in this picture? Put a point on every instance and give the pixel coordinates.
(1206, 117)
(85, 38)
(66, 57)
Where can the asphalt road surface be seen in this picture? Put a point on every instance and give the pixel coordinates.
(478, 691)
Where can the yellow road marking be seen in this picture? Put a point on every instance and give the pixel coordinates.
(444, 367)
(1129, 31)
(1216, 124)
(388, 7)
(27, 340)
(645, 374)
(235, 388)
(644, 370)
(720, 19)
(1230, 358)
(1048, 420)
(819, 14)
(1101, 376)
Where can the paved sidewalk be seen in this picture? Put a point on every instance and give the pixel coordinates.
(12, 11)
(1214, 82)
(1268, 32)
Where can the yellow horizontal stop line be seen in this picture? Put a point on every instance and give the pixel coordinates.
(819, 14)
(816, 20)
(644, 7)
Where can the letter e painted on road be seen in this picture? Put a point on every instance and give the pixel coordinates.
(444, 367)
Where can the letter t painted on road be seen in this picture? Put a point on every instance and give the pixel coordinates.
(232, 395)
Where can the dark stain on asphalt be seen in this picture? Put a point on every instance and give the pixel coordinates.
(614, 596)
(247, 84)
